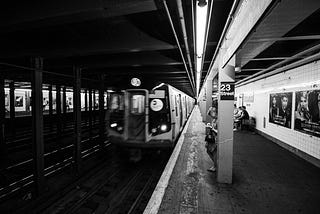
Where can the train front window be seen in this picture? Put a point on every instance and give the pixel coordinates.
(137, 104)
(159, 114)
(114, 104)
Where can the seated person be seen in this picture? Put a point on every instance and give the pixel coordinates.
(235, 110)
(236, 118)
(244, 115)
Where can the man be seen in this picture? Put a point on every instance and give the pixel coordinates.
(285, 111)
(315, 107)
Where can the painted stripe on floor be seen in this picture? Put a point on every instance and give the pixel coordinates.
(157, 196)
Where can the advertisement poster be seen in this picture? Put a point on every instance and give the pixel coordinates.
(280, 109)
(83, 101)
(69, 101)
(96, 101)
(7, 101)
(45, 102)
(307, 112)
(20, 101)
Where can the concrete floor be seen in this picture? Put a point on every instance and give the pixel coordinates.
(266, 178)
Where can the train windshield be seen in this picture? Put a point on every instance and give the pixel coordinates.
(137, 104)
(116, 102)
(116, 117)
(159, 114)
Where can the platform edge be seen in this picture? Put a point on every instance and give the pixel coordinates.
(157, 196)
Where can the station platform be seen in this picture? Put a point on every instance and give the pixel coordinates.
(266, 178)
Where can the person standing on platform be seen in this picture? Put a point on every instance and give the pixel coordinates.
(211, 130)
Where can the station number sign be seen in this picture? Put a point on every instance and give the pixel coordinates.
(227, 91)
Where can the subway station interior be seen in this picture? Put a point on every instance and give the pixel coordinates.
(160, 106)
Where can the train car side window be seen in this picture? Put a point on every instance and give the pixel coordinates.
(176, 105)
(137, 105)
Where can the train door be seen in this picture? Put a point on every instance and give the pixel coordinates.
(180, 111)
(137, 111)
(186, 107)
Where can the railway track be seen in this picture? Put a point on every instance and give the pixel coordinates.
(120, 188)
(57, 157)
(28, 180)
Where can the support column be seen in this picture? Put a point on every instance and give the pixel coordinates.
(37, 125)
(50, 107)
(94, 99)
(101, 112)
(208, 119)
(64, 106)
(3, 146)
(94, 105)
(90, 113)
(86, 105)
(86, 100)
(12, 109)
(77, 118)
(225, 122)
(58, 111)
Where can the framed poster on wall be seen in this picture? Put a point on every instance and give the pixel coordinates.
(280, 109)
(307, 112)
(20, 101)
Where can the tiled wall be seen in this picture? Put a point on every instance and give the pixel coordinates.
(306, 77)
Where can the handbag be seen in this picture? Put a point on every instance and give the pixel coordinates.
(210, 137)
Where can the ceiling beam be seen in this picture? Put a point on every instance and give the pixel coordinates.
(280, 21)
(267, 58)
(252, 69)
(281, 65)
(291, 38)
(61, 12)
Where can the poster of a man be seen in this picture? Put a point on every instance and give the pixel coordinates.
(280, 109)
(307, 112)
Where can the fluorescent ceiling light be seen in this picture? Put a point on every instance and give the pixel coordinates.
(201, 22)
(198, 85)
(199, 61)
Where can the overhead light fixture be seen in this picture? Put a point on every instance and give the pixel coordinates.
(135, 82)
(202, 3)
(201, 24)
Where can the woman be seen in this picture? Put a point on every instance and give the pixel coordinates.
(211, 141)
(302, 113)
(274, 110)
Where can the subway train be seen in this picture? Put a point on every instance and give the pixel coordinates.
(148, 119)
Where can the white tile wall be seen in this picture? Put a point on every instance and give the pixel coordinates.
(259, 109)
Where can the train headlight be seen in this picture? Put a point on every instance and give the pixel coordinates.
(112, 125)
(163, 127)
